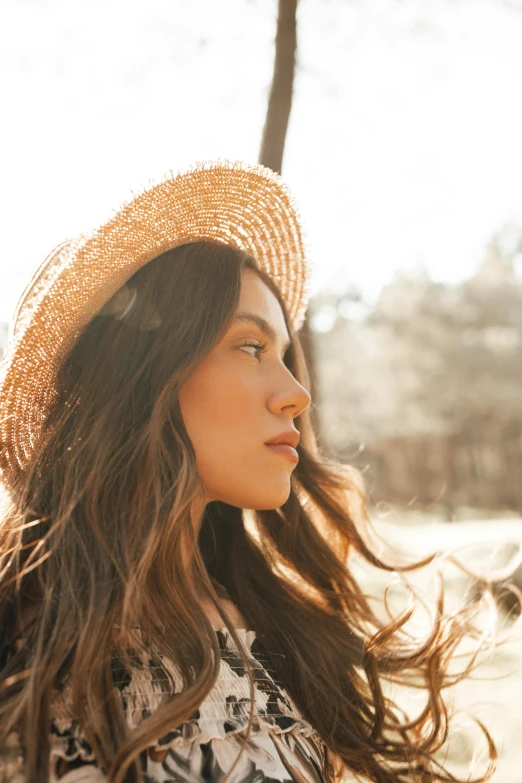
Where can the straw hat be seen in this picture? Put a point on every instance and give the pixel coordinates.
(247, 207)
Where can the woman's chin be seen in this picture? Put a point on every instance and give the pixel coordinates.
(272, 500)
(271, 493)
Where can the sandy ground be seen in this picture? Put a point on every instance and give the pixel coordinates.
(494, 692)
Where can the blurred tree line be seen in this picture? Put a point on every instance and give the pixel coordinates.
(422, 390)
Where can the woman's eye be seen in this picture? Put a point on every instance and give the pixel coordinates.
(259, 347)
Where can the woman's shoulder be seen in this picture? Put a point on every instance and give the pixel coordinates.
(223, 714)
(143, 687)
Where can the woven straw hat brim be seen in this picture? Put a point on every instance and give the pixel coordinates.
(247, 207)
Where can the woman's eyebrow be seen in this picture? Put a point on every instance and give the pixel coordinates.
(261, 323)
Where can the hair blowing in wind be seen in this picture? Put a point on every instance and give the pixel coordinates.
(97, 541)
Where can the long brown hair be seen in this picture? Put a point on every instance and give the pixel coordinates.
(98, 540)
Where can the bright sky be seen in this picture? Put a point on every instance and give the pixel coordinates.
(404, 145)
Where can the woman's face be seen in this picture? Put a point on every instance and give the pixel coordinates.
(237, 399)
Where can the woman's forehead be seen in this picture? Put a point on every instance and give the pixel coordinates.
(259, 305)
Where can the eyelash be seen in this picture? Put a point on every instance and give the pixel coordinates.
(261, 347)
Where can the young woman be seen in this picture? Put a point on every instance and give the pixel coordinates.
(175, 593)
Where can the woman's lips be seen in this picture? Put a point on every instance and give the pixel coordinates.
(283, 448)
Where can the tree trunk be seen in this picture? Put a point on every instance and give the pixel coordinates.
(273, 142)
(280, 99)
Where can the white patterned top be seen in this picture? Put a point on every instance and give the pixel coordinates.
(283, 746)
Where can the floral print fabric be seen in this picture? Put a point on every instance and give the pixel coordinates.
(282, 746)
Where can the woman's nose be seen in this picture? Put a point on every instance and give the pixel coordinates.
(294, 395)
